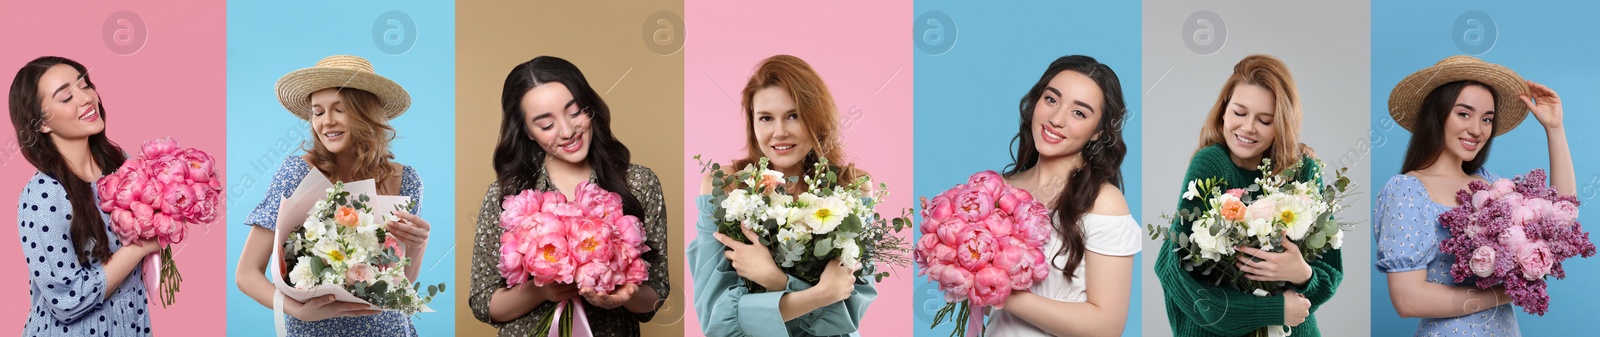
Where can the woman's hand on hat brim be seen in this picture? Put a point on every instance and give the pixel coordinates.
(1544, 104)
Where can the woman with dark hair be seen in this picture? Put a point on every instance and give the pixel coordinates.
(790, 119)
(1256, 117)
(1467, 103)
(555, 133)
(1069, 155)
(82, 280)
(348, 107)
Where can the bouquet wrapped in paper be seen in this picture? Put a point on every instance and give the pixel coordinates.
(332, 240)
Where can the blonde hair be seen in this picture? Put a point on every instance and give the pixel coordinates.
(1271, 74)
(370, 135)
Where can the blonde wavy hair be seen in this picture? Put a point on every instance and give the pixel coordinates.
(1271, 74)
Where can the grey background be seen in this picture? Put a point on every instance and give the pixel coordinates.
(1326, 46)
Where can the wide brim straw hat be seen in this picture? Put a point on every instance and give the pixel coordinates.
(340, 71)
(1405, 102)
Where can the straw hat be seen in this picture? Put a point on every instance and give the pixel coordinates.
(340, 71)
(1405, 102)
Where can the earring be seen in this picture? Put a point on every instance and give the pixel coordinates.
(45, 130)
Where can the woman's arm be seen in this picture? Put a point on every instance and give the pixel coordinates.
(72, 289)
(489, 298)
(1109, 282)
(1546, 107)
(250, 276)
(1413, 296)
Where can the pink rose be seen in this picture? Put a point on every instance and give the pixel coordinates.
(1261, 209)
(392, 243)
(1535, 259)
(1482, 263)
(991, 287)
(360, 272)
(1236, 193)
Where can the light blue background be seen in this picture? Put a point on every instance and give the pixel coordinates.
(1551, 45)
(966, 99)
(269, 39)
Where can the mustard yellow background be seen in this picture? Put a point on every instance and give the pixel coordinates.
(643, 87)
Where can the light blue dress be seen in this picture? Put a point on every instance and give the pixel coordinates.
(1406, 226)
(388, 323)
(728, 308)
(68, 298)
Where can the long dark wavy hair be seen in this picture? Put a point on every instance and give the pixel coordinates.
(1102, 157)
(27, 117)
(518, 158)
(1427, 140)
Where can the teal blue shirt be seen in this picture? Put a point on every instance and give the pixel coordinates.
(728, 308)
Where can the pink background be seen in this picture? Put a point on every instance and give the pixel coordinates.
(173, 86)
(863, 52)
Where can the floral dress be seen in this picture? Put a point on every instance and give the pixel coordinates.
(1406, 226)
(388, 323)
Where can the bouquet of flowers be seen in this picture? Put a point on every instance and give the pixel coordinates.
(1270, 210)
(344, 244)
(830, 219)
(1514, 233)
(588, 242)
(980, 241)
(157, 196)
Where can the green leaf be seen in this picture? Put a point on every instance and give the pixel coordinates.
(823, 247)
(851, 224)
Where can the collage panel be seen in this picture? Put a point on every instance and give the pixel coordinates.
(1051, 107)
(96, 94)
(792, 83)
(361, 93)
(1470, 90)
(621, 67)
(1230, 87)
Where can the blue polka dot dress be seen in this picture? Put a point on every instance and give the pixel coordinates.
(389, 323)
(1406, 226)
(68, 298)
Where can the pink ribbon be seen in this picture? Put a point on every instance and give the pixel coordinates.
(580, 322)
(152, 278)
(975, 323)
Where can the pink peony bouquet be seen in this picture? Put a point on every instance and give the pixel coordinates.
(1514, 233)
(157, 195)
(980, 241)
(588, 242)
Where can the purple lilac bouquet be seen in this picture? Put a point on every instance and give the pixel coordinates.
(1514, 233)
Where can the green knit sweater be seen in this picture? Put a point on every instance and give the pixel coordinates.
(1200, 309)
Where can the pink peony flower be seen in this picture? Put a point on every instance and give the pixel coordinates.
(988, 183)
(1535, 260)
(159, 147)
(973, 205)
(1513, 238)
(1261, 209)
(589, 242)
(956, 283)
(178, 200)
(549, 262)
(593, 276)
(977, 247)
(1482, 262)
(1480, 198)
(199, 164)
(991, 286)
(1501, 188)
